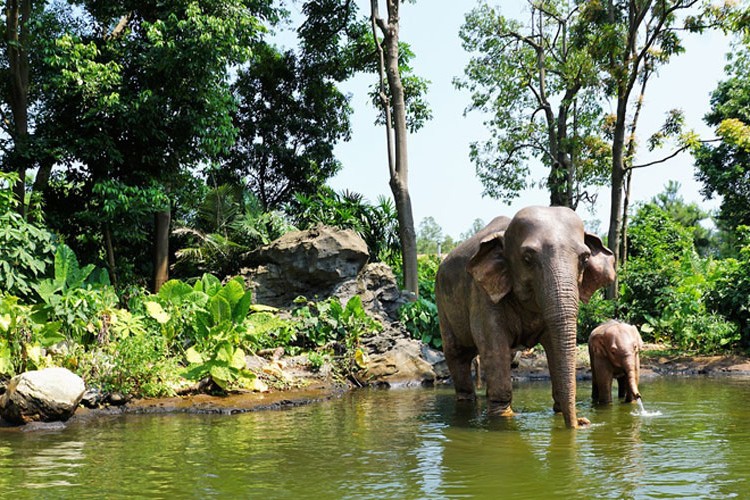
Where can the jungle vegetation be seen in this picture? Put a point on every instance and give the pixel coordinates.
(179, 130)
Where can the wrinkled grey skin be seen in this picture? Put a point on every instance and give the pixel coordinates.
(614, 349)
(517, 283)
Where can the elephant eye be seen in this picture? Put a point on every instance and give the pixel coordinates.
(584, 259)
(528, 257)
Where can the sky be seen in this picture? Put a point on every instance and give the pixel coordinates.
(442, 179)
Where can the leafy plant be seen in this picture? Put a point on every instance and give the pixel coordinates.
(421, 317)
(23, 334)
(325, 322)
(139, 364)
(225, 364)
(729, 294)
(421, 320)
(25, 247)
(81, 299)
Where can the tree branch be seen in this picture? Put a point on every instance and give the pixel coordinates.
(667, 158)
(120, 28)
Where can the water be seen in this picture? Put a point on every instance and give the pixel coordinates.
(410, 444)
(641, 411)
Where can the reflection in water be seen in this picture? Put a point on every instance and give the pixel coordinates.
(409, 443)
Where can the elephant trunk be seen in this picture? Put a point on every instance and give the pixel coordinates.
(561, 315)
(633, 394)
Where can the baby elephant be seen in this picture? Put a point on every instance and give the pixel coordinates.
(613, 349)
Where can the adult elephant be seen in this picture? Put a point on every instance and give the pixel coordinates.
(517, 283)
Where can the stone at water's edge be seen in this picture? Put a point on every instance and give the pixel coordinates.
(402, 364)
(47, 395)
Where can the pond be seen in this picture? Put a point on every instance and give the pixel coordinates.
(403, 443)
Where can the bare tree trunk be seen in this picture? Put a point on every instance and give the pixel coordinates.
(110, 254)
(398, 159)
(618, 177)
(161, 248)
(16, 32)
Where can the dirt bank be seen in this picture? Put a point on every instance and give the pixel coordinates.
(656, 360)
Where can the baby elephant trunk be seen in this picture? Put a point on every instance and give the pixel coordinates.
(633, 393)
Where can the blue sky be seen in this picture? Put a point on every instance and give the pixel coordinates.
(442, 179)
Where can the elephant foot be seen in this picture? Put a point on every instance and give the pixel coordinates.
(583, 422)
(501, 411)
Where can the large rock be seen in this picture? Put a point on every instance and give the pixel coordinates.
(325, 262)
(310, 263)
(401, 364)
(47, 395)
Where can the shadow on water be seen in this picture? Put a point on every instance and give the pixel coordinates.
(406, 443)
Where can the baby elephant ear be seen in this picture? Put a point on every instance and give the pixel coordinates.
(600, 270)
(489, 267)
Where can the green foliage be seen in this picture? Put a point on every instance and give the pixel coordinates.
(724, 169)
(420, 317)
(25, 247)
(224, 363)
(376, 224)
(539, 91)
(81, 299)
(23, 334)
(289, 118)
(325, 322)
(421, 320)
(665, 285)
(228, 223)
(730, 293)
(138, 364)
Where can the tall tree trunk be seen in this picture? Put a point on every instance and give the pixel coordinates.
(17, 38)
(398, 159)
(161, 248)
(618, 178)
(111, 263)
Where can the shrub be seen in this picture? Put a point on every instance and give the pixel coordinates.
(421, 317)
(665, 285)
(730, 291)
(597, 311)
(25, 248)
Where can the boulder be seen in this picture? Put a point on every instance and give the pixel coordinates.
(310, 263)
(47, 395)
(325, 262)
(400, 365)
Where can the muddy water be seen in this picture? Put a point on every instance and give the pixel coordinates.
(411, 443)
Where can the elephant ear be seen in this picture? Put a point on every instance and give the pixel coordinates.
(489, 267)
(600, 270)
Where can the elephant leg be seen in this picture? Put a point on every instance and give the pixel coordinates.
(594, 384)
(602, 381)
(622, 388)
(459, 360)
(496, 369)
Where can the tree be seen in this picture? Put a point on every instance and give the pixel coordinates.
(538, 84)
(142, 92)
(429, 237)
(394, 107)
(291, 113)
(724, 169)
(476, 226)
(688, 215)
(631, 38)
